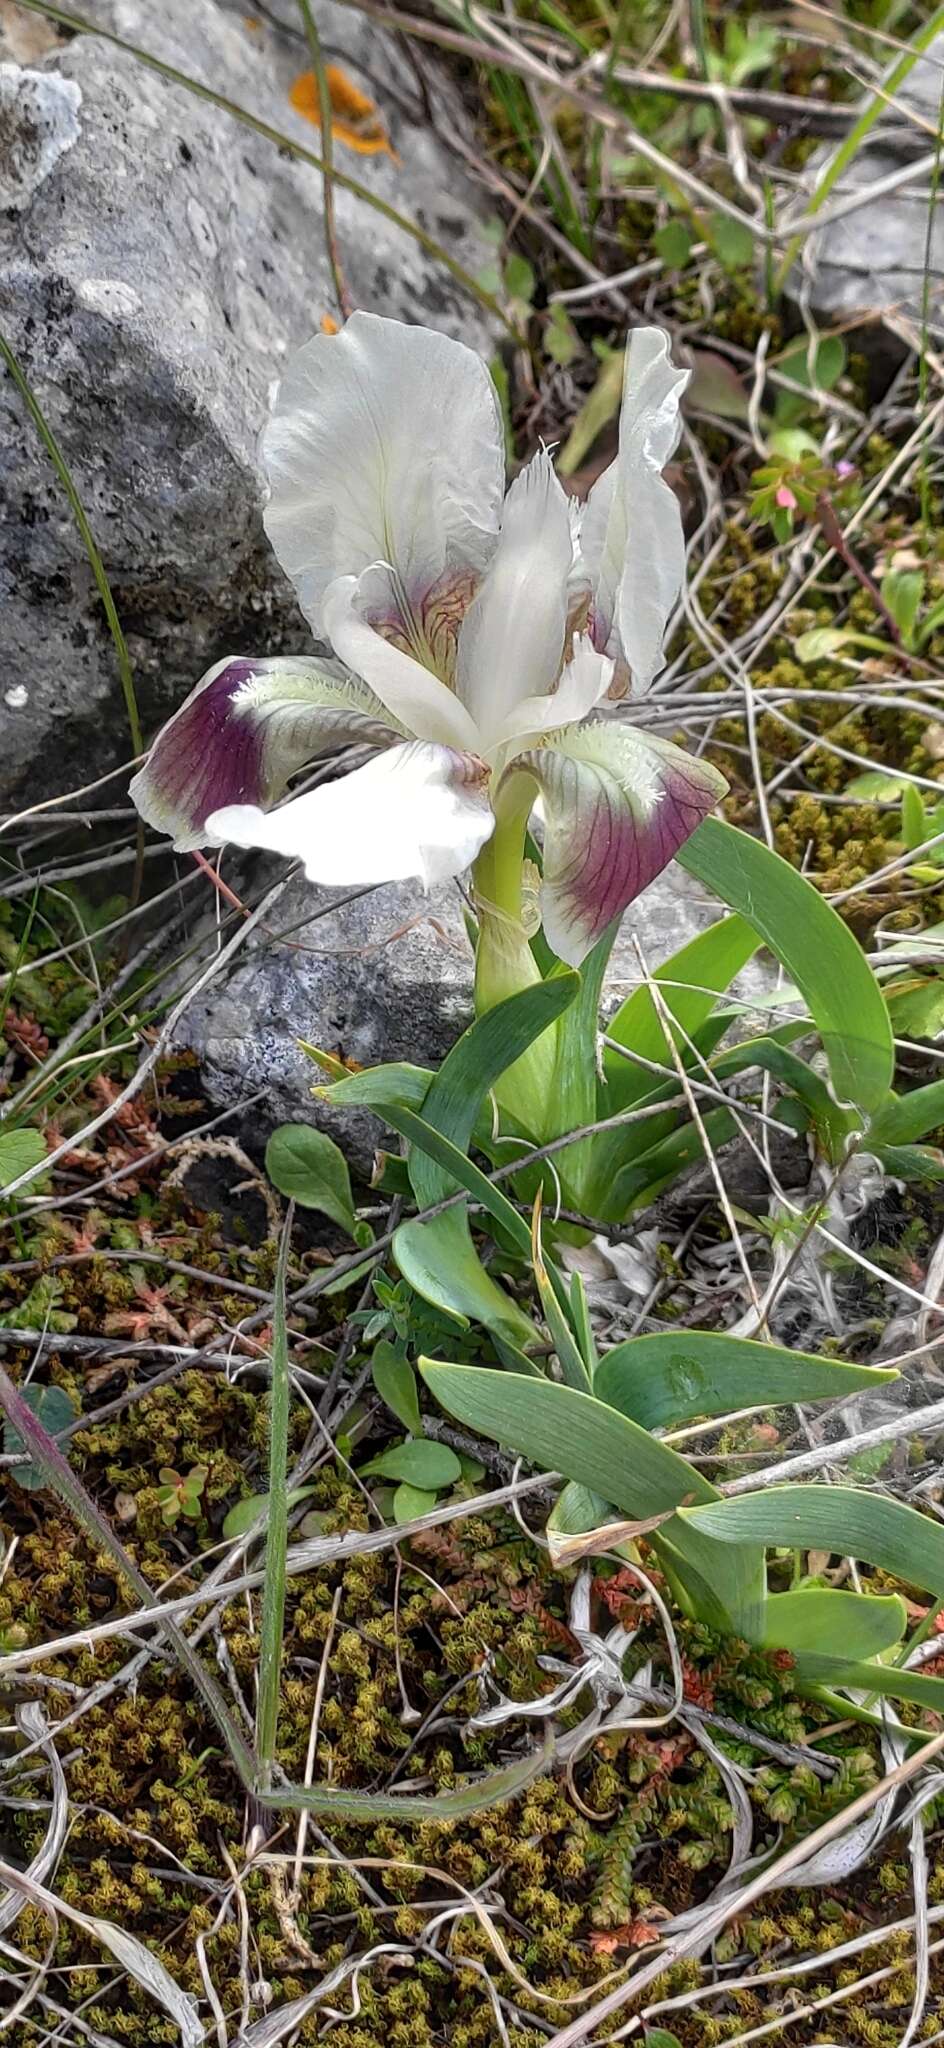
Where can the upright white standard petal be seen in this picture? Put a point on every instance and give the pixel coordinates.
(385, 445)
(512, 637)
(423, 704)
(584, 683)
(631, 538)
(415, 811)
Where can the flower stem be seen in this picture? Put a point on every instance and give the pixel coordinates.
(505, 964)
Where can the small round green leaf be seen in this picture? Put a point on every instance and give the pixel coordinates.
(732, 241)
(820, 642)
(19, 1151)
(519, 278)
(306, 1165)
(673, 243)
(419, 1463)
(246, 1513)
(395, 1381)
(410, 1502)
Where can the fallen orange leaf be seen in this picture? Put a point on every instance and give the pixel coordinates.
(633, 1934)
(329, 324)
(356, 120)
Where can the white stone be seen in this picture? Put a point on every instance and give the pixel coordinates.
(109, 296)
(39, 122)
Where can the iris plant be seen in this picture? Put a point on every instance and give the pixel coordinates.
(476, 635)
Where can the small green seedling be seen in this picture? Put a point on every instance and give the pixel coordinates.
(178, 1495)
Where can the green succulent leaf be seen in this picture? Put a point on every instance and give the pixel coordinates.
(867, 1526)
(813, 1619)
(247, 1513)
(409, 1502)
(675, 1375)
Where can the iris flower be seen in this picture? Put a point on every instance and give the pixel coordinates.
(476, 635)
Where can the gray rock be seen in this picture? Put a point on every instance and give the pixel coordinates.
(387, 976)
(39, 121)
(158, 273)
(868, 266)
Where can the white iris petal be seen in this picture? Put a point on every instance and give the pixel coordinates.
(386, 445)
(416, 810)
(415, 696)
(512, 637)
(631, 537)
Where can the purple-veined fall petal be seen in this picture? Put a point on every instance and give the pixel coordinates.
(617, 804)
(417, 810)
(245, 729)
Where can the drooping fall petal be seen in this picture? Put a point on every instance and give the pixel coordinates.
(416, 810)
(618, 804)
(512, 637)
(245, 729)
(385, 446)
(417, 698)
(631, 537)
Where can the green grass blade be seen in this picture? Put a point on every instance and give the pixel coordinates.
(272, 1624)
(438, 1258)
(582, 1326)
(638, 1183)
(833, 1125)
(483, 1053)
(490, 1790)
(818, 951)
(575, 1075)
(908, 1118)
(556, 1315)
(461, 1169)
(570, 1432)
(859, 132)
(889, 1680)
